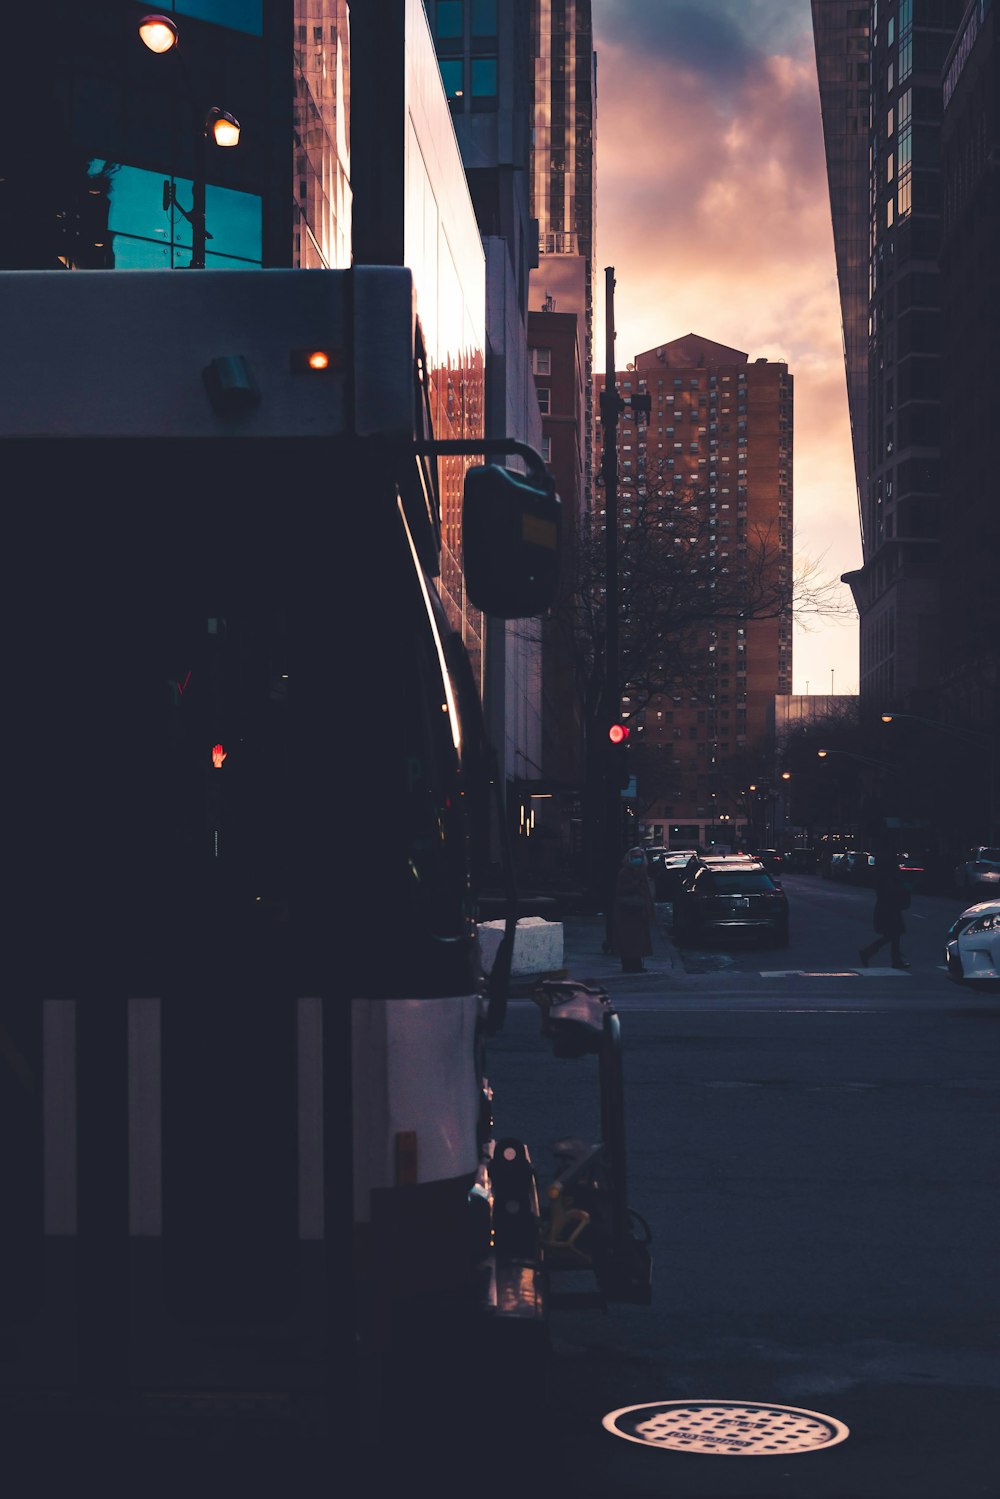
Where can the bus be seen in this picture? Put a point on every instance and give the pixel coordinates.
(250, 800)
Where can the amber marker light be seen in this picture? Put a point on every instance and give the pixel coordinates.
(158, 33)
(316, 360)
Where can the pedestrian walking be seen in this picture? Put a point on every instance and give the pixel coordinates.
(891, 899)
(634, 912)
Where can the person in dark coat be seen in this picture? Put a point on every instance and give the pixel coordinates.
(634, 912)
(891, 900)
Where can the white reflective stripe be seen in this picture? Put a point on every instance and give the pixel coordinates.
(59, 1115)
(145, 1121)
(310, 1081)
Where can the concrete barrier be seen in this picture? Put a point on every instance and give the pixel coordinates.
(538, 945)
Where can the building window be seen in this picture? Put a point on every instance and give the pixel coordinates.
(144, 234)
(239, 15)
(546, 450)
(452, 77)
(544, 399)
(484, 17)
(448, 19)
(541, 361)
(484, 77)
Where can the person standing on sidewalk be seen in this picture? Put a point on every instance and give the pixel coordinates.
(634, 912)
(891, 899)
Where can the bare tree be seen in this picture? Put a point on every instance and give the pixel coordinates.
(677, 581)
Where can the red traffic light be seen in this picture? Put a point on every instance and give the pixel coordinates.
(618, 733)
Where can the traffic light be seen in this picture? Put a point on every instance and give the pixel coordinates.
(618, 772)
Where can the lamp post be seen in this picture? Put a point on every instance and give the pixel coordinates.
(159, 34)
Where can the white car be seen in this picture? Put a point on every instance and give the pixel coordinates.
(979, 872)
(972, 946)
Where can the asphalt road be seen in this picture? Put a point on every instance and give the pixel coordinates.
(815, 1148)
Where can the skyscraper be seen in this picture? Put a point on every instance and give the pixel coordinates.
(563, 197)
(483, 50)
(880, 88)
(711, 467)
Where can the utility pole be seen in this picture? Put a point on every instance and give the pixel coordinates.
(611, 408)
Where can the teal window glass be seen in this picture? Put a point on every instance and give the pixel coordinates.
(238, 15)
(484, 17)
(148, 228)
(451, 75)
(484, 77)
(448, 19)
(906, 57)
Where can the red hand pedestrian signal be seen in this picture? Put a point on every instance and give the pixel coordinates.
(218, 755)
(618, 756)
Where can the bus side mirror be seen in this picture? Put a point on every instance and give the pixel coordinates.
(511, 526)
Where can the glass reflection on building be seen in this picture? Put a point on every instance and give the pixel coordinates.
(322, 147)
(137, 221)
(443, 248)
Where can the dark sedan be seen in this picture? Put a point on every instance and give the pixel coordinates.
(737, 900)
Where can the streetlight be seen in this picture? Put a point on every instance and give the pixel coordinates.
(160, 35)
(822, 754)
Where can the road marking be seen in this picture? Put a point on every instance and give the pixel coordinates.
(842, 973)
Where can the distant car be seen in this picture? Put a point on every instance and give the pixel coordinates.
(731, 897)
(979, 872)
(771, 860)
(913, 868)
(972, 945)
(853, 866)
(666, 869)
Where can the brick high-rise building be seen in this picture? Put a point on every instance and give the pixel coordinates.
(718, 438)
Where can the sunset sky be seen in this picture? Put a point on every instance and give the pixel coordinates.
(713, 209)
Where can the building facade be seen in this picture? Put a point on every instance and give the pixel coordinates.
(897, 589)
(712, 465)
(557, 361)
(970, 383)
(484, 52)
(563, 180)
(927, 492)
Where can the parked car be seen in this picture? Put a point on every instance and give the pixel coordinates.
(853, 866)
(972, 945)
(731, 897)
(667, 868)
(978, 872)
(913, 868)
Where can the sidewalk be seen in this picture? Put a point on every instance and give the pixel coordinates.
(584, 958)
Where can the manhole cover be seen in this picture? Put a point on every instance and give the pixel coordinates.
(728, 1428)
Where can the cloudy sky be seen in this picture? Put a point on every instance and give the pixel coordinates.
(712, 207)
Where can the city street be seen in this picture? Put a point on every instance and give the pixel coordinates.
(815, 1150)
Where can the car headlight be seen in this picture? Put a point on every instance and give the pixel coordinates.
(983, 924)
